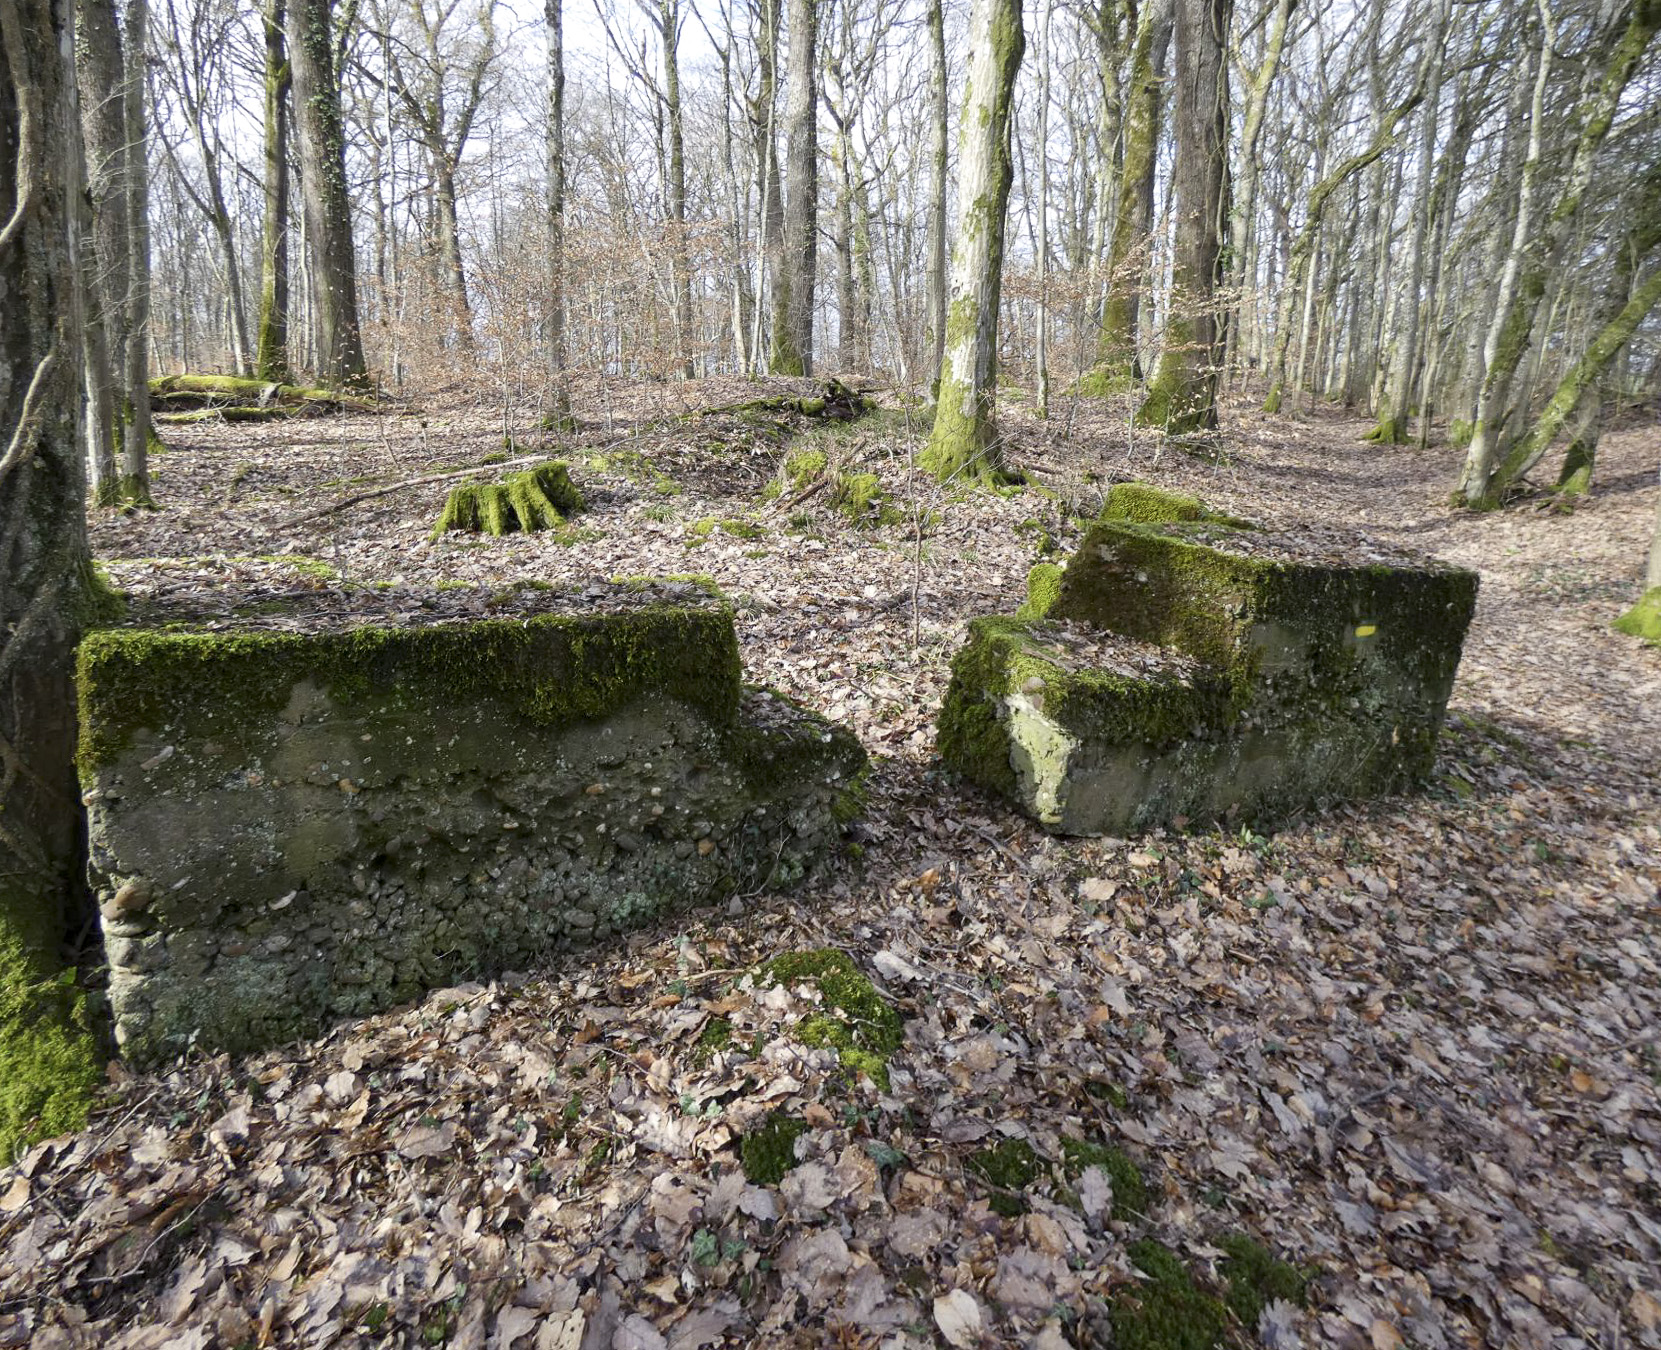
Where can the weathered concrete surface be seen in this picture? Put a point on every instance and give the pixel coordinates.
(287, 827)
(1203, 668)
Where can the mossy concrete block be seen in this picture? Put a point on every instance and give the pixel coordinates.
(290, 827)
(1199, 670)
(1292, 628)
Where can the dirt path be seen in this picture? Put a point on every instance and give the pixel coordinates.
(1410, 1047)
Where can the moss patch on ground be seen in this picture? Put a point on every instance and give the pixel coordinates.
(1256, 1277)
(1167, 1311)
(767, 1153)
(1043, 590)
(855, 1020)
(1643, 620)
(1130, 1189)
(1009, 1168)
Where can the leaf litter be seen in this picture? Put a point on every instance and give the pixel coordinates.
(1409, 1047)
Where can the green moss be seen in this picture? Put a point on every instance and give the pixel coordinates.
(50, 1065)
(1256, 1277)
(1166, 1311)
(701, 530)
(1010, 1167)
(859, 496)
(1460, 432)
(552, 670)
(1106, 381)
(1148, 505)
(767, 1153)
(854, 1019)
(801, 467)
(1043, 590)
(715, 1037)
(1130, 1190)
(1643, 620)
(537, 499)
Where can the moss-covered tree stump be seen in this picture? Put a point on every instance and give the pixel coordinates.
(1184, 665)
(1643, 620)
(537, 499)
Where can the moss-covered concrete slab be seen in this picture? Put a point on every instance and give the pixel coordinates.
(1193, 666)
(288, 826)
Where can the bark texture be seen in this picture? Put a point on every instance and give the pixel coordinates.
(963, 443)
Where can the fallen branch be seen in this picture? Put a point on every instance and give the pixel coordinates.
(449, 475)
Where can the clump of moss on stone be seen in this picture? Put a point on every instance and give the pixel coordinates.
(1009, 1167)
(1149, 505)
(1043, 590)
(1256, 1277)
(855, 1020)
(1643, 620)
(1166, 1311)
(1130, 1190)
(554, 670)
(767, 1153)
(537, 499)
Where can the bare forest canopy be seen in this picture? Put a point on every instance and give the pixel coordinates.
(1444, 215)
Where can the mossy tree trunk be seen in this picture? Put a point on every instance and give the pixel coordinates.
(271, 334)
(680, 262)
(963, 444)
(763, 114)
(1182, 396)
(328, 213)
(793, 286)
(1577, 386)
(1129, 262)
(1537, 250)
(47, 1066)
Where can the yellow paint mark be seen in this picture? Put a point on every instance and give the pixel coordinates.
(1366, 630)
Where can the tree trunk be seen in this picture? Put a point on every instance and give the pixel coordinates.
(99, 74)
(1182, 396)
(328, 212)
(1130, 257)
(935, 252)
(559, 389)
(449, 247)
(136, 430)
(680, 264)
(51, 1066)
(1041, 352)
(793, 288)
(963, 444)
(271, 341)
(1397, 406)
(768, 186)
(1535, 255)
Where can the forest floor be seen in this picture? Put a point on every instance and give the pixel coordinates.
(1412, 1047)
